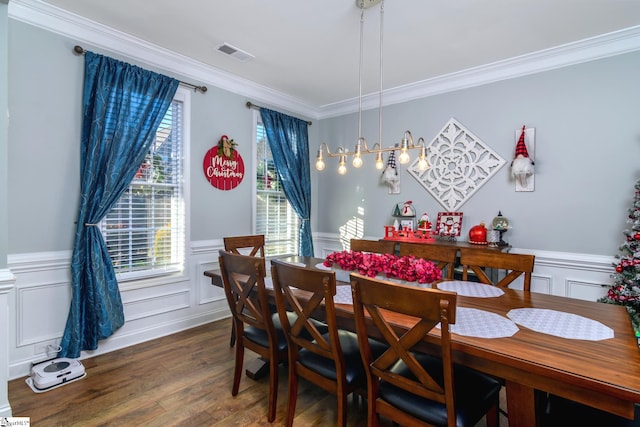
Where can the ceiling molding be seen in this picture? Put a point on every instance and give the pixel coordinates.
(59, 21)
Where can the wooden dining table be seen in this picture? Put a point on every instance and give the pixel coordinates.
(603, 374)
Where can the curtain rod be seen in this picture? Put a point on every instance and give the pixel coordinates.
(78, 50)
(249, 104)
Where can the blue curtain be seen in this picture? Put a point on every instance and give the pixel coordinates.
(122, 106)
(289, 142)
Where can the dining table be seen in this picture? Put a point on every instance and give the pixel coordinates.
(585, 351)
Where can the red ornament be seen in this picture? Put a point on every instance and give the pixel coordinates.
(478, 234)
(618, 268)
(636, 236)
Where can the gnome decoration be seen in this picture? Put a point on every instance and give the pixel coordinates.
(522, 164)
(390, 174)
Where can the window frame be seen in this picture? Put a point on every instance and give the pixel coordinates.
(141, 278)
(254, 185)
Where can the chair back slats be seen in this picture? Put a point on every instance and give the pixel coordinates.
(377, 246)
(243, 280)
(516, 265)
(443, 256)
(253, 245)
(306, 292)
(372, 300)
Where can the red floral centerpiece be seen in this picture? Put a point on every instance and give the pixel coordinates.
(408, 268)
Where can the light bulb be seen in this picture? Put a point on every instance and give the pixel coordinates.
(357, 161)
(423, 165)
(320, 165)
(379, 162)
(342, 167)
(404, 157)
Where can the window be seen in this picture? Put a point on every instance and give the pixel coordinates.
(274, 216)
(145, 230)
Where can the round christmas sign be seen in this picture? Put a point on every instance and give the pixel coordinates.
(223, 166)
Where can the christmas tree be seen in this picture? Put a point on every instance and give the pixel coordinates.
(626, 287)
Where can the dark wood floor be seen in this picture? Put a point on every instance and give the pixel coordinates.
(181, 379)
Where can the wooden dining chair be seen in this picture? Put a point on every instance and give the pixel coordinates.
(252, 245)
(443, 256)
(377, 246)
(331, 360)
(244, 286)
(407, 386)
(516, 265)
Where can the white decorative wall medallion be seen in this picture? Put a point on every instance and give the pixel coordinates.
(460, 163)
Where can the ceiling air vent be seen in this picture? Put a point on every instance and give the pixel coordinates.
(234, 52)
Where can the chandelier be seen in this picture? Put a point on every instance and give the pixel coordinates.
(361, 148)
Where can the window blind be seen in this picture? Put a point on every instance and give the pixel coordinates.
(145, 230)
(275, 218)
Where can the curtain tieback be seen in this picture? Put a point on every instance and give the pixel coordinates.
(86, 224)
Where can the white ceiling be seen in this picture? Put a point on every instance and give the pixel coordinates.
(309, 49)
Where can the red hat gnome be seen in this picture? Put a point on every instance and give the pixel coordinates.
(522, 165)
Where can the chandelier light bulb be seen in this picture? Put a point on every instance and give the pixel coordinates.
(357, 161)
(320, 164)
(404, 157)
(423, 165)
(379, 162)
(342, 167)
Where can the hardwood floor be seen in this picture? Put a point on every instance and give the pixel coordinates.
(181, 379)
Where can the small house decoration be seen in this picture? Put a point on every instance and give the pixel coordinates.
(223, 166)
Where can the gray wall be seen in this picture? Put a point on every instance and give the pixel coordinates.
(4, 84)
(587, 153)
(587, 157)
(45, 98)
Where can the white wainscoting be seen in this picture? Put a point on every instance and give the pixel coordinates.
(40, 298)
(39, 301)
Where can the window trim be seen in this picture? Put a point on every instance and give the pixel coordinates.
(146, 278)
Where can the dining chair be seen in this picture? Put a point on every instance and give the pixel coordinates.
(377, 246)
(252, 245)
(516, 265)
(244, 286)
(331, 360)
(408, 386)
(443, 256)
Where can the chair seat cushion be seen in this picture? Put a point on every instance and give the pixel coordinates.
(475, 393)
(354, 369)
(259, 336)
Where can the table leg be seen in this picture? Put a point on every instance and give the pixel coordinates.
(521, 405)
(258, 368)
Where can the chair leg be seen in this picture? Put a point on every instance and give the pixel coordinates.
(293, 394)
(492, 416)
(237, 373)
(232, 340)
(342, 408)
(273, 387)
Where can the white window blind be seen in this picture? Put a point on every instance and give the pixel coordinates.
(275, 218)
(145, 230)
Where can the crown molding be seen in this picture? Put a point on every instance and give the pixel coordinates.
(604, 46)
(62, 22)
(59, 21)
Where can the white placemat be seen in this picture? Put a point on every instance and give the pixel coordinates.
(470, 289)
(471, 322)
(343, 295)
(560, 324)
